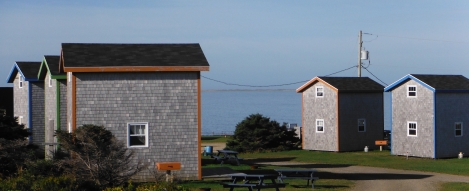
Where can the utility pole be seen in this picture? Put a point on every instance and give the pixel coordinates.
(359, 54)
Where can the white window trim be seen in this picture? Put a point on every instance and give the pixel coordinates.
(20, 81)
(408, 86)
(50, 81)
(146, 134)
(20, 120)
(416, 129)
(364, 124)
(462, 127)
(69, 77)
(317, 126)
(69, 127)
(316, 88)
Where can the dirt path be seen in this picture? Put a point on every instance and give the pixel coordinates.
(373, 178)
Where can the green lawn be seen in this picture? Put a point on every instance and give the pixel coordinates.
(373, 158)
(215, 139)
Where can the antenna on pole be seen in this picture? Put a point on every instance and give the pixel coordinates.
(360, 42)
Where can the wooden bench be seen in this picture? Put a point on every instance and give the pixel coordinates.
(297, 174)
(254, 186)
(253, 182)
(224, 158)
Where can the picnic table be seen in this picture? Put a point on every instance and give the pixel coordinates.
(226, 155)
(297, 174)
(253, 182)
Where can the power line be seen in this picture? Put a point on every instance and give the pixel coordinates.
(425, 39)
(375, 76)
(275, 85)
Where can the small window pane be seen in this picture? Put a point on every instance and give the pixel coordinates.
(137, 140)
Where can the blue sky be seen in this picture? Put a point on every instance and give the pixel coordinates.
(254, 42)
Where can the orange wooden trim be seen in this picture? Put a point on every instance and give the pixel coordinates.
(74, 103)
(337, 123)
(137, 69)
(168, 166)
(312, 81)
(303, 121)
(199, 124)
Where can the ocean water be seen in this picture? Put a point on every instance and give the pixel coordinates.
(222, 110)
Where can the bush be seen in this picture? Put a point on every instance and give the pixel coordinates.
(95, 155)
(258, 133)
(14, 148)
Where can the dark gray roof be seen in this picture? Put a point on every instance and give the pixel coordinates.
(104, 55)
(29, 69)
(353, 84)
(444, 82)
(53, 64)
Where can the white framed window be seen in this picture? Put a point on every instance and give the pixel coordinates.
(361, 125)
(411, 91)
(458, 129)
(319, 125)
(412, 128)
(20, 81)
(50, 81)
(319, 91)
(20, 120)
(137, 134)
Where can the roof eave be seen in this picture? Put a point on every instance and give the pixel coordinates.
(11, 77)
(311, 82)
(138, 69)
(404, 79)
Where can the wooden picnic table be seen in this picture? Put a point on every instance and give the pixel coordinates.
(253, 182)
(226, 155)
(297, 174)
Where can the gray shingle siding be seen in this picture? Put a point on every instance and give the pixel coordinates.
(420, 110)
(320, 108)
(63, 104)
(354, 106)
(50, 114)
(37, 106)
(166, 100)
(21, 96)
(451, 108)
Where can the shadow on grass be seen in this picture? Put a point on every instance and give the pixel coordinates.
(369, 176)
(208, 138)
(319, 186)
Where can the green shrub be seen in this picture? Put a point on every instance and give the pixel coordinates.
(258, 133)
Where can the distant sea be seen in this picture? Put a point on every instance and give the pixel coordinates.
(223, 109)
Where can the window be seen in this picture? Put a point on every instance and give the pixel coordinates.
(20, 120)
(361, 125)
(319, 91)
(412, 129)
(50, 81)
(458, 129)
(20, 81)
(411, 91)
(138, 134)
(320, 125)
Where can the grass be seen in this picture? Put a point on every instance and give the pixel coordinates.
(456, 186)
(333, 159)
(215, 139)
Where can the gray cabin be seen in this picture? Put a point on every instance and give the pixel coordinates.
(147, 95)
(55, 101)
(28, 99)
(341, 113)
(428, 115)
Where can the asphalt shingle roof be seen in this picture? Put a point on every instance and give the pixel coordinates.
(108, 55)
(353, 83)
(346, 84)
(53, 64)
(29, 69)
(444, 82)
